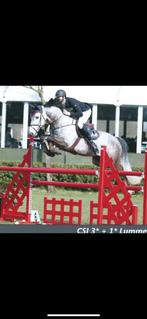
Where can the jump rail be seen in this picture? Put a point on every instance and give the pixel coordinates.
(104, 173)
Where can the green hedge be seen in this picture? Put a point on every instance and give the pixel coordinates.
(74, 177)
(6, 177)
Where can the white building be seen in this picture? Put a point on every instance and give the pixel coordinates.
(10, 98)
(132, 99)
(122, 107)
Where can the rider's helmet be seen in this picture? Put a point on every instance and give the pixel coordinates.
(60, 93)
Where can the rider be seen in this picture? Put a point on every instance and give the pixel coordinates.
(77, 110)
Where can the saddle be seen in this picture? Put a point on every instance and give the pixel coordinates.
(94, 134)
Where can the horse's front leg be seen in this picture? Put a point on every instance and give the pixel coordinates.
(49, 148)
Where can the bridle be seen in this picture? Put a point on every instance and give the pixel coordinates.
(41, 128)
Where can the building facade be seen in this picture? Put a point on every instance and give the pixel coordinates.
(14, 115)
(119, 110)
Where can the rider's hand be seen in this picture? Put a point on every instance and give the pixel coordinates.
(65, 112)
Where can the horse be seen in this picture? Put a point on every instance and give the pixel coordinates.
(63, 134)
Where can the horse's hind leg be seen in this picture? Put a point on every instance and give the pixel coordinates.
(96, 160)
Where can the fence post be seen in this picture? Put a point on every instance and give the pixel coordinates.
(101, 185)
(145, 191)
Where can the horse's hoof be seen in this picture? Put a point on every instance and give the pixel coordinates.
(49, 154)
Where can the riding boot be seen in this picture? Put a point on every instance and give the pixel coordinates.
(86, 133)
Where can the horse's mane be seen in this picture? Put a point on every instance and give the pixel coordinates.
(55, 114)
(53, 109)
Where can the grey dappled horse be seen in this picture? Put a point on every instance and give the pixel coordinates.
(64, 135)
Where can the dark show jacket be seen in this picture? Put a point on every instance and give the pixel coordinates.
(75, 107)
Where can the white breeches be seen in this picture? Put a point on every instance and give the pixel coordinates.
(83, 119)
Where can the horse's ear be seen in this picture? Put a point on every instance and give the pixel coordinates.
(35, 107)
(40, 108)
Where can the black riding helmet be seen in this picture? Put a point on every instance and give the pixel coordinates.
(60, 93)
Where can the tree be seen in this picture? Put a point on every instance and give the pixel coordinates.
(39, 89)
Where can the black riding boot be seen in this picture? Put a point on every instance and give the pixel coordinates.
(86, 133)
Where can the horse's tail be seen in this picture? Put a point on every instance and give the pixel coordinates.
(124, 162)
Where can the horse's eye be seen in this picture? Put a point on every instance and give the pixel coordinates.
(37, 117)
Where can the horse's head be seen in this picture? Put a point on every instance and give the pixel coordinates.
(39, 120)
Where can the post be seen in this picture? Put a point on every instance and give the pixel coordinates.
(49, 176)
(101, 185)
(117, 120)
(3, 129)
(145, 191)
(64, 157)
(139, 129)
(29, 201)
(94, 115)
(25, 125)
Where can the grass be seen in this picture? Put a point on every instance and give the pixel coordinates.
(86, 196)
(37, 199)
(136, 160)
(38, 194)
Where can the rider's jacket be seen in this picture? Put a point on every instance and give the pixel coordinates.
(75, 107)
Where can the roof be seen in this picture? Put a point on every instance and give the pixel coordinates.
(89, 94)
(115, 95)
(132, 95)
(18, 93)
